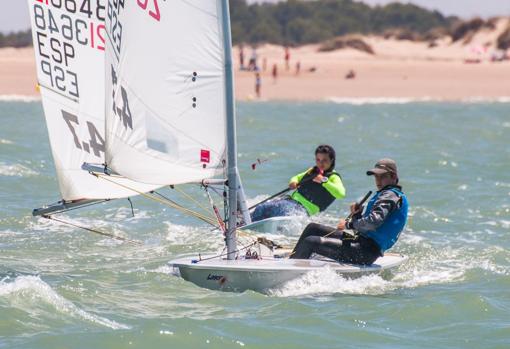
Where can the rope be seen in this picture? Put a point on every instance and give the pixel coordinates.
(166, 201)
(221, 223)
(175, 205)
(116, 237)
(189, 197)
(226, 254)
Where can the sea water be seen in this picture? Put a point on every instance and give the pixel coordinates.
(63, 287)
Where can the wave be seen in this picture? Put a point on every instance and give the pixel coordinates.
(16, 170)
(19, 98)
(407, 100)
(5, 141)
(33, 291)
(486, 100)
(378, 100)
(428, 267)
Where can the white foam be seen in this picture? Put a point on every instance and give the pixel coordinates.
(19, 98)
(125, 213)
(430, 266)
(191, 236)
(256, 199)
(407, 100)
(164, 269)
(5, 141)
(16, 170)
(327, 281)
(37, 290)
(378, 100)
(501, 99)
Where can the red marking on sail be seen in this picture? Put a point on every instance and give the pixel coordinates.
(205, 156)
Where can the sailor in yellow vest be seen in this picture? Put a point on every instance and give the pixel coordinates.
(315, 189)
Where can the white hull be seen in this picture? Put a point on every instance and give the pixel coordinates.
(268, 273)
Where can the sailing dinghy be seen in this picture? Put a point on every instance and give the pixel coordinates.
(187, 133)
(162, 92)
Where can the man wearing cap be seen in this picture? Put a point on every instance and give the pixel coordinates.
(377, 228)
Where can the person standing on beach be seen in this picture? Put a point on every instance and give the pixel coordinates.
(287, 58)
(258, 84)
(252, 65)
(274, 73)
(315, 189)
(377, 228)
(298, 67)
(241, 57)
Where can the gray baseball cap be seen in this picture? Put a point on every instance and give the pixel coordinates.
(383, 166)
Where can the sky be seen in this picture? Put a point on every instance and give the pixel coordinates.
(14, 13)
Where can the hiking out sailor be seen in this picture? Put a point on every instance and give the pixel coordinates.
(376, 229)
(315, 189)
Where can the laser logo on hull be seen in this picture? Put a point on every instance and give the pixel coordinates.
(220, 278)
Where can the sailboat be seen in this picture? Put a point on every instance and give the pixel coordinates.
(167, 106)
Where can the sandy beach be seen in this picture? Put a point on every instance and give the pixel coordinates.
(398, 69)
(386, 76)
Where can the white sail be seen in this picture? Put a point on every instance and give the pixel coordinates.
(69, 42)
(165, 97)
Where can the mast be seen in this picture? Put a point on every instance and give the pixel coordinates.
(231, 134)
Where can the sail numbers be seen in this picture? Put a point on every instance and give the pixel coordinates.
(124, 112)
(154, 12)
(58, 34)
(114, 26)
(96, 142)
(79, 6)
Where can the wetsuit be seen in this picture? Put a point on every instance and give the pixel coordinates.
(310, 198)
(378, 228)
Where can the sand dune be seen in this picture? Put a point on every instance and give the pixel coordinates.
(398, 69)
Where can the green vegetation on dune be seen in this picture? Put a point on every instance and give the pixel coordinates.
(504, 39)
(297, 22)
(19, 39)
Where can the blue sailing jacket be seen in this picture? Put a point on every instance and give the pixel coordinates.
(386, 235)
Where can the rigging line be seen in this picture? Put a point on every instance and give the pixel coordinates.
(215, 190)
(173, 204)
(189, 197)
(225, 254)
(116, 237)
(167, 202)
(211, 220)
(221, 223)
(183, 209)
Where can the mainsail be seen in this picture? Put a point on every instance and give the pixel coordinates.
(165, 90)
(69, 41)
